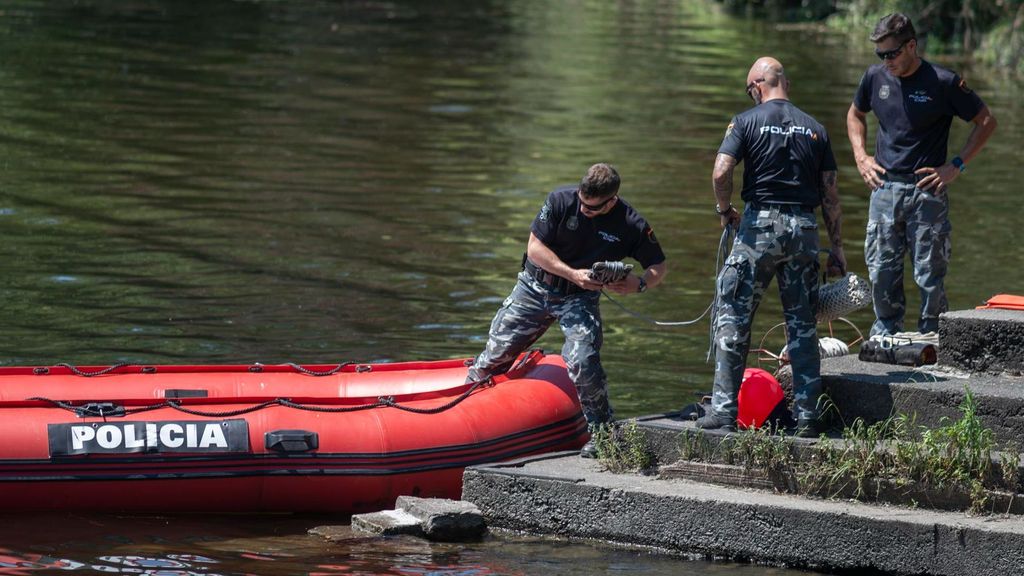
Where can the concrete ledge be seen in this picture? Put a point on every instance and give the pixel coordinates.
(877, 391)
(982, 340)
(690, 517)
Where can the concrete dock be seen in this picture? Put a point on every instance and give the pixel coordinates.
(566, 495)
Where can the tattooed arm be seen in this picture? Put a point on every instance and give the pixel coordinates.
(722, 180)
(833, 215)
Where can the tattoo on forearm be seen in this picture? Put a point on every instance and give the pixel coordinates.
(831, 211)
(722, 178)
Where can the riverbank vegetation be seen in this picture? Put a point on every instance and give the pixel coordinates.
(988, 31)
(954, 466)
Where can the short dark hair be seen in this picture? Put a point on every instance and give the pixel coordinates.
(601, 181)
(897, 25)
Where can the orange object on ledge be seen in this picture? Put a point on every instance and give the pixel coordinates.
(1005, 302)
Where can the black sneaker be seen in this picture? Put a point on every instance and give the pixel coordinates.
(712, 421)
(589, 450)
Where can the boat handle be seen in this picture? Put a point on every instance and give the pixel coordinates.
(289, 441)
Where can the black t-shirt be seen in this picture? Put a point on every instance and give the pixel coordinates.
(786, 151)
(914, 114)
(580, 241)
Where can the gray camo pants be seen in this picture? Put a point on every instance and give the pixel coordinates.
(903, 218)
(770, 243)
(524, 317)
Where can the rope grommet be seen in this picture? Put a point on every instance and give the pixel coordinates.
(257, 367)
(148, 370)
(364, 368)
(40, 370)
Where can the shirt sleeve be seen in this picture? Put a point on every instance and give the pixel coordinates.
(545, 224)
(862, 97)
(647, 251)
(963, 101)
(733, 144)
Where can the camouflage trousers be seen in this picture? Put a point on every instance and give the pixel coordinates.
(903, 218)
(772, 241)
(524, 317)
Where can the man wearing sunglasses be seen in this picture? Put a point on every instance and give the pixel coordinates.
(576, 227)
(790, 170)
(909, 175)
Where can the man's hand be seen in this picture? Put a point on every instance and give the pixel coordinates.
(870, 171)
(581, 278)
(628, 285)
(731, 217)
(836, 265)
(937, 178)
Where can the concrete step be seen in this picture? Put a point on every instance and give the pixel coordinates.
(388, 523)
(571, 496)
(443, 519)
(988, 340)
(875, 392)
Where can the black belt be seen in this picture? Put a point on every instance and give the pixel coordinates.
(550, 280)
(903, 178)
(781, 207)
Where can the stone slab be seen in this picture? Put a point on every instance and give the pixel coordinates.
(875, 392)
(571, 496)
(987, 340)
(443, 519)
(388, 523)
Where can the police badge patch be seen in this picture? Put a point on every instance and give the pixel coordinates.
(572, 223)
(545, 211)
(883, 92)
(728, 129)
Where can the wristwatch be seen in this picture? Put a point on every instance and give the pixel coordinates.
(642, 287)
(959, 163)
(723, 212)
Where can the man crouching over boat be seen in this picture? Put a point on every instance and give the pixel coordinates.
(576, 227)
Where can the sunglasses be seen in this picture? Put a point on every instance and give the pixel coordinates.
(597, 207)
(751, 86)
(892, 54)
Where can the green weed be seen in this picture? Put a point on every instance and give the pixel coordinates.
(623, 448)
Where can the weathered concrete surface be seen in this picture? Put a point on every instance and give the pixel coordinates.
(388, 523)
(571, 496)
(443, 519)
(982, 340)
(877, 391)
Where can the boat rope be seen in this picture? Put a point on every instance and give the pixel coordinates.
(149, 369)
(308, 372)
(79, 372)
(381, 402)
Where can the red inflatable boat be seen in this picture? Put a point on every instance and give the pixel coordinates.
(348, 438)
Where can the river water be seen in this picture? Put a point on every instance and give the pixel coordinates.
(206, 182)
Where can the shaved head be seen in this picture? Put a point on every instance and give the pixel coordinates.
(767, 80)
(767, 68)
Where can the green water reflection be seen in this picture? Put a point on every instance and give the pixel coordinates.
(210, 182)
(202, 182)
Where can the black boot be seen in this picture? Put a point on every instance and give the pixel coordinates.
(712, 421)
(589, 449)
(808, 428)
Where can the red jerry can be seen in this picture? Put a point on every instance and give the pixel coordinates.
(759, 394)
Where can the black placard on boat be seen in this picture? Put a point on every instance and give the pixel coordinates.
(168, 436)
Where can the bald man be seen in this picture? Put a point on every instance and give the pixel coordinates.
(790, 171)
